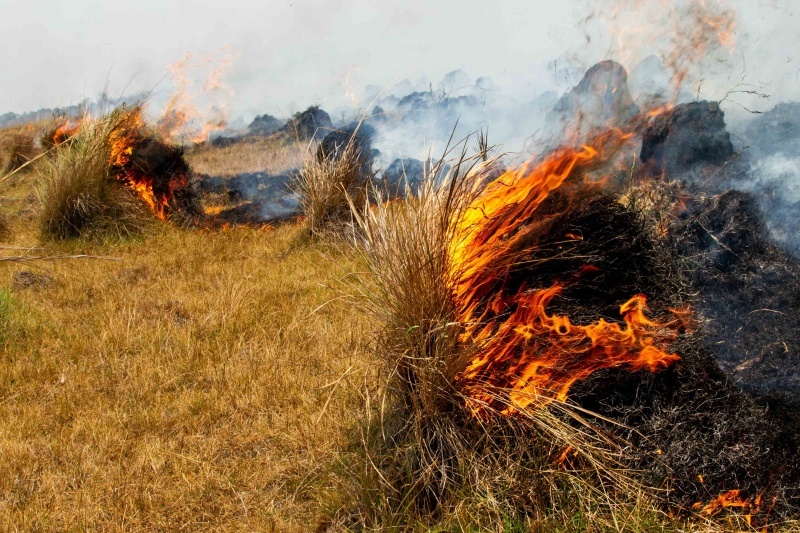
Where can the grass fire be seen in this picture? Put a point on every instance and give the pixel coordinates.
(561, 295)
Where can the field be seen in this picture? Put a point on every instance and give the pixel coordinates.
(189, 379)
(194, 383)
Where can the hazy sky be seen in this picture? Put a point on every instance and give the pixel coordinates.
(288, 54)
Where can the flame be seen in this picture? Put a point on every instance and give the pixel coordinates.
(684, 34)
(732, 498)
(523, 351)
(64, 132)
(122, 142)
(735, 499)
(181, 118)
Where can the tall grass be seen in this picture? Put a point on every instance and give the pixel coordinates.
(17, 147)
(76, 191)
(328, 183)
(423, 457)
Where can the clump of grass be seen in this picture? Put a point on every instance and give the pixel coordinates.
(17, 147)
(77, 193)
(422, 457)
(327, 184)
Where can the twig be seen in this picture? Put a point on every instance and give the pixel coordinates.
(24, 258)
(766, 311)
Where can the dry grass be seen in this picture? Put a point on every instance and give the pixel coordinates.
(175, 390)
(5, 227)
(77, 194)
(329, 184)
(211, 381)
(17, 147)
(257, 154)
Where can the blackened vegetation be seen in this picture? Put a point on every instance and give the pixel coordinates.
(335, 142)
(264, 125)
(689, 139)
(255, 197)
(726, 417)
(164, 164)
(691, 429)
(601, 98)
(313, 123)
(578, 227)
(750, 293)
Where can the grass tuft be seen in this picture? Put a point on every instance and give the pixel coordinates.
(422, 458)
(17, 147)
(77, 194)
(327, 184)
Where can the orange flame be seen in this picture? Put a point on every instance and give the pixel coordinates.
(181, 118)
(684, 34)
(64, 132)
(532, 355)
(122, 142)
(732, 499)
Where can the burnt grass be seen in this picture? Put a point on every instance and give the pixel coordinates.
(699, 428)
(170, 173)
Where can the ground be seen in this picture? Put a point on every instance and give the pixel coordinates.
(186, 379)
(190, 380)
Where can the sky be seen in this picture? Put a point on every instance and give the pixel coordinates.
(281, 56)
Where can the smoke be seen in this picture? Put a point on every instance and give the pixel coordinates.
(200, 98)
(673, 51)
(780, 174)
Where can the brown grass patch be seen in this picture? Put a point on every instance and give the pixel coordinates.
(188, 386)
(17, 147)
(256, 154)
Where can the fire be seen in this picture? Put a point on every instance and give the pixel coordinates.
(181, 118)
(64, 132)
(524, 352)
(730, 499)
(123, 141)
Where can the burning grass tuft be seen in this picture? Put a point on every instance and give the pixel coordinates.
(423, 457)
(513, 387)
(329, 182)
(77, 193)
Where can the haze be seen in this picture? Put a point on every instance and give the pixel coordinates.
(284, 56)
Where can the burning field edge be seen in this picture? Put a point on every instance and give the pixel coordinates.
(564, 343)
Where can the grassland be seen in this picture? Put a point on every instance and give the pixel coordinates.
(185, 386)
(256, 154)
(192, 380)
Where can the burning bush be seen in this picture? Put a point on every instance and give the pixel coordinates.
(330, 181)
(58, 131)
(99, 169)
(537, 334)
(77, 191)
(427, 455)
